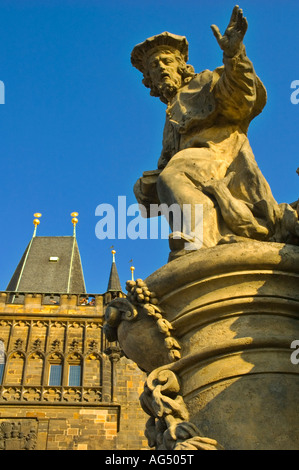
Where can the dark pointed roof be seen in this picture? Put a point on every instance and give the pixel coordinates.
(114, 282)
(49, 265)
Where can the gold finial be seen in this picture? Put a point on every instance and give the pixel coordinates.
(74, 221)
(113, 255)
(36, 221)
(132, 272)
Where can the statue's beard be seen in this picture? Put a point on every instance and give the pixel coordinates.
(168, 89)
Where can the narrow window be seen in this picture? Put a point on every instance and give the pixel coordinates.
(75, 375)
(55, 374)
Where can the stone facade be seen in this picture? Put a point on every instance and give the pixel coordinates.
(63, 387)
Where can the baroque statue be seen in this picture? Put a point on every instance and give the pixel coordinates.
(212, 330)
(206, 158)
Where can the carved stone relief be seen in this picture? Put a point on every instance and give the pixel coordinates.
(18, 434)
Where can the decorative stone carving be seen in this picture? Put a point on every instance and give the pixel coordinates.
(169, 427)
(19, 344)
(58, 324)
(92, 395)
(32, 394)
(11, 393)
(22, 323)
(52, 394)
(18, 354)
(72, 394)
(114, 353)
(36, 355)
(74, 346)
(94, 325)
(141, 304)
(37, 345)
(40, 324)
(56, 345)
(76, 325)
(74, 357)
(56, 355)
(18, 435)
(93, 347)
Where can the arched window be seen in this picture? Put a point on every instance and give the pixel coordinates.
(55, 370)
(74, 370)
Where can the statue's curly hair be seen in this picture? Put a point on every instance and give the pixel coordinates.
(185, 70)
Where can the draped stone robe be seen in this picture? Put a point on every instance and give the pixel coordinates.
(205, 141)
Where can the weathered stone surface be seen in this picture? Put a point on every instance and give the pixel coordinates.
(234, 312)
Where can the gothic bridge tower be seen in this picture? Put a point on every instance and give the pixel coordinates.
(62, 387)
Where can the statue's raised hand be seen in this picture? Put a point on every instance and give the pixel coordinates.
(232, 39)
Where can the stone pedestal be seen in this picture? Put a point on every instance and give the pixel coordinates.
(234, 310)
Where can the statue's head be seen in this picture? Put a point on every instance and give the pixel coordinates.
(163, 61)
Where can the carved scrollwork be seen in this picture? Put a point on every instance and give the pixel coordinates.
(118, 310)
(168, 427)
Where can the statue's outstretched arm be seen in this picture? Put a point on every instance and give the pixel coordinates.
(236, 89)
(232, 39)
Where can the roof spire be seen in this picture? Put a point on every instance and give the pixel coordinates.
(114, 282)
(132, 269)
(36, 222)
(74, 221)
(132, 272)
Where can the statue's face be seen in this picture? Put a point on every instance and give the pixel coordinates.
(163, 67)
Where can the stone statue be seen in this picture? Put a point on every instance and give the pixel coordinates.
(212, 330)
(206, 157)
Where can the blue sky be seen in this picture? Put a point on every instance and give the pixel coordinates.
(78, 127)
